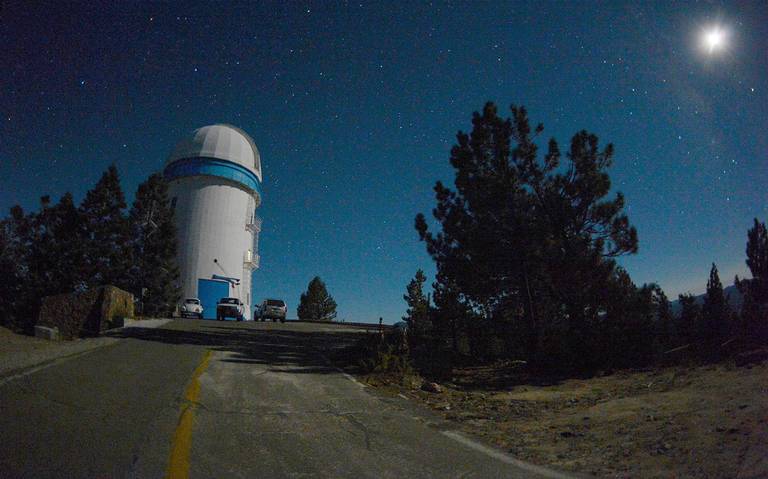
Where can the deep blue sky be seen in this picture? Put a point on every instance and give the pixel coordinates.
(355, 106)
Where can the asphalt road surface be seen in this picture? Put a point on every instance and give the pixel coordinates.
(220, 399)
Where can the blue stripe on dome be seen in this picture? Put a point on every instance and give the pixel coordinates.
(213, 167)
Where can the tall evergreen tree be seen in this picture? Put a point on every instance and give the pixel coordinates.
(14, 250)
(664, 318)
(689, 322)
(105, 235)
(715, 313)
(39, 256)
(450, 312)
(316, 304)
(523, 238)
(757, 258)
(417, 301)
(755, 307)
(8, 273)
(626, 331)
(417, 314)
(154, 274)
(56, 261)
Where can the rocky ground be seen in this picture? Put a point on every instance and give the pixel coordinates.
(709, 421)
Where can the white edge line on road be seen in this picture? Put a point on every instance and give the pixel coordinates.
(542, 471)
(351, 378)
(346, 375)
(460, 438)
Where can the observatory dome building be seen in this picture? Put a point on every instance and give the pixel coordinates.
(214, 185)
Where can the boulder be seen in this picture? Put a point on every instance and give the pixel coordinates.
(87, 313)
(431, 387)
(43, 332)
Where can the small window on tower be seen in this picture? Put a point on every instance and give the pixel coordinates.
(173, 203)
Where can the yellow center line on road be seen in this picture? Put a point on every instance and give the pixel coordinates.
(178, 464)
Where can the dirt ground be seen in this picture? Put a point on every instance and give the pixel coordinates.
(19, 352)
(708, 421)
(11, 342)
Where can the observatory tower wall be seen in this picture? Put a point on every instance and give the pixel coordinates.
(212, 216)
(214, 184)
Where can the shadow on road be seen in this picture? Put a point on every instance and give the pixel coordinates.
(298, 352)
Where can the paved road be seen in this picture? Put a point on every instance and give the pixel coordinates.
(213, 400)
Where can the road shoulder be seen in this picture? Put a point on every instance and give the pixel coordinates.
(20, 354)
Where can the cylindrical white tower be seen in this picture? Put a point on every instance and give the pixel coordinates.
(214, 179)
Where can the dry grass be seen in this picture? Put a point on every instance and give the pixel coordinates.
(11, 342)
(707, 421)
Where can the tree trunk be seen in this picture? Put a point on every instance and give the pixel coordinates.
(530, 320)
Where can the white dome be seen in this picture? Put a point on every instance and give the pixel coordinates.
(223, 142)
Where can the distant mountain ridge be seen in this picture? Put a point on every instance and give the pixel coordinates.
(732, 293)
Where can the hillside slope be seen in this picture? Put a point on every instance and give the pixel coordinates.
(735, 299)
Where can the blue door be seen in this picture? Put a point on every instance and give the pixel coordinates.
(210, 291)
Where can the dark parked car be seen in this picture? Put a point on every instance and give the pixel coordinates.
(274, 309)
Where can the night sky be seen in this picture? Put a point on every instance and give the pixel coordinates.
(355, 106)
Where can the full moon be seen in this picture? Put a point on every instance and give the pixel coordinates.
(714, 39)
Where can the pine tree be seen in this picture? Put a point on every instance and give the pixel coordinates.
(14, 250)
(316, 304)
(56, 261)
(689, 322)
(418, 304)
(450, 313)
(627, 328)
(417, 313)
(8, 272)
(755, 308)
(715, 314)
(757, 259)
(664, 318)
(154, 275)
(105, 235)
(39, 256)
(523, 238)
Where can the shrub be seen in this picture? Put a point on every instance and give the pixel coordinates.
(375, 354)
